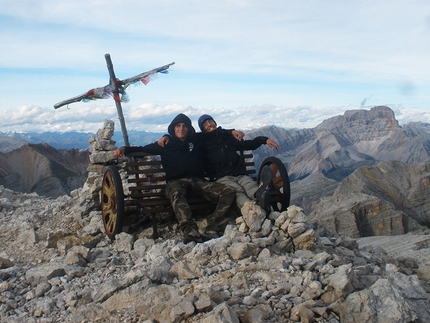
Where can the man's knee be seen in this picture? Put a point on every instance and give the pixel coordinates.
(229, 191)
(174, 189)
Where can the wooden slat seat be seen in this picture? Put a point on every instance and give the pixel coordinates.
(146, 182)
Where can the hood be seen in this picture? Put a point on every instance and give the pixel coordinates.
(178, 119)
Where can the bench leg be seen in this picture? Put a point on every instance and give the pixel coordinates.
(154, 226)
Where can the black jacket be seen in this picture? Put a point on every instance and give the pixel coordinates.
(181, 159)
(220, 154)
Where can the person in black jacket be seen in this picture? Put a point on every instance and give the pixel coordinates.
(224, 165)
(182, 160)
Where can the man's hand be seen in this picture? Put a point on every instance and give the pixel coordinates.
(237, 134)
(272, 144)
(119, 153)
(163, 141)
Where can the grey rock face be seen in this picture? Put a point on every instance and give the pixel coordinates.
(43, 169)
(388, 199)
(405, 186)
(393, 299)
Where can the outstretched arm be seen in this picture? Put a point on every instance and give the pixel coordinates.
(272, 144)
(153, 148)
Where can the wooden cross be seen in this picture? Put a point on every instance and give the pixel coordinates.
(116, 89)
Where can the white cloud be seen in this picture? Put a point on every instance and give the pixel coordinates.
(155, 118)
(261, 62)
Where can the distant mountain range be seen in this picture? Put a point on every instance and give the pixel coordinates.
(341, 144)
(69, 140)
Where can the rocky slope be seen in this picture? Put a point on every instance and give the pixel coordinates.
(308, 192)
(388, 199)
(43, 169)
(56, 265)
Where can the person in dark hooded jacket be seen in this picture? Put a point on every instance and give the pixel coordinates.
(182, 160)
(224, 165)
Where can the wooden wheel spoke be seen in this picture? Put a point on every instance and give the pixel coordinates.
(112, 202)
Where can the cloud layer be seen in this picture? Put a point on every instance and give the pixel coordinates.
(256, 62)
(155, 118)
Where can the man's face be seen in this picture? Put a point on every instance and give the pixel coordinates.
(209, 125)
(181, 131)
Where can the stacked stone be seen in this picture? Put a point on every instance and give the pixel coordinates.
(103, 147)
(284, 232)
(102, 153)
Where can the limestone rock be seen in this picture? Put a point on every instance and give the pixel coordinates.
(100, 157)
(397, 298)
(288, 270)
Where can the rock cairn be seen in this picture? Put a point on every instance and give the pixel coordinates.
(57, 265)
(103, 147)
(101, 155)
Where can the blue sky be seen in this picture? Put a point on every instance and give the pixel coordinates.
(248, 63)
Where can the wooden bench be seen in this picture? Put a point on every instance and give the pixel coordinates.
(145, 183)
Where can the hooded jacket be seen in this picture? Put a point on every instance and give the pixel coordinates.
(180, 159)
(220, 154)
(181, 118)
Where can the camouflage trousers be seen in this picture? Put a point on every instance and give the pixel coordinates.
(244, 186)
(178, 190)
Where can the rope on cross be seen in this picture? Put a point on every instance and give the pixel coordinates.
(116, 89)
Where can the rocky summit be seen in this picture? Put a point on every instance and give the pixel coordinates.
(57, 265)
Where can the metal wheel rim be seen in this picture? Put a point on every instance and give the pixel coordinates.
(280, 185)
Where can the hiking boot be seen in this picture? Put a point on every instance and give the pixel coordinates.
(209, 235)
(218, 226)
(265, 202)
(192, 235)
(265, 180)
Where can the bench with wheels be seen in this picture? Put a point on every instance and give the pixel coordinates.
(146, 182)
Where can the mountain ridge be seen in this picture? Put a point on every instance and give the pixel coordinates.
(43, 169)
(69, 140)
(349, 141)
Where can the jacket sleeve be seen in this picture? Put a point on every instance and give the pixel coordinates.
(153, 148)
(249, 144)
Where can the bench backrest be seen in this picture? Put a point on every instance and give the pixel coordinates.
(147, 181)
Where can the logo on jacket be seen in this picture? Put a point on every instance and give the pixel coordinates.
(190, 146)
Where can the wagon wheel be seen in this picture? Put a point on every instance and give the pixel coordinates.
(280, 185)
(112, 202)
